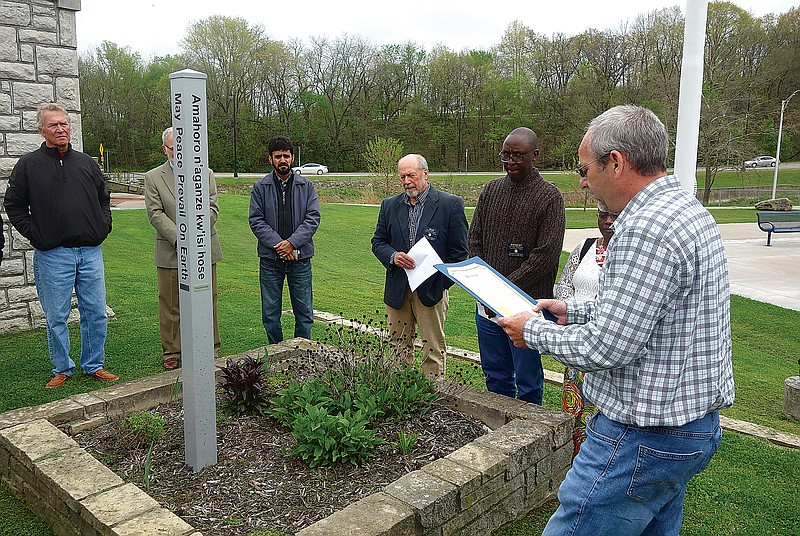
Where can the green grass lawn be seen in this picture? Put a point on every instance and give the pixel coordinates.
(750, 487)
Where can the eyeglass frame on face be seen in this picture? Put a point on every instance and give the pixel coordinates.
(584, 169)
(605, 215)
(514, 158)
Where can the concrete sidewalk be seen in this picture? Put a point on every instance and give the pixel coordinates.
(123, 201)
(769, 274)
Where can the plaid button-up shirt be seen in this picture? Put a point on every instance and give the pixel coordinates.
(656, 342)
(414, 214)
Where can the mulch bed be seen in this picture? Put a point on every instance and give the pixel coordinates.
(255, 486)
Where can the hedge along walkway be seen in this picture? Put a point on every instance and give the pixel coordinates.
(783, 439)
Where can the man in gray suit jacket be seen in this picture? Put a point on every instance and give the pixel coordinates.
(419, 211)
(159, 196)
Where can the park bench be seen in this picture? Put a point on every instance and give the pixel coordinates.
(778, 221)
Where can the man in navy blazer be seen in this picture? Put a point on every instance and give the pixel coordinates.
(420, 211)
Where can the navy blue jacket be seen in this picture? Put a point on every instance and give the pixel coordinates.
(443, 222)
(264, 216)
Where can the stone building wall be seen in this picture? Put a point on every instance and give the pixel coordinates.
(38, 64)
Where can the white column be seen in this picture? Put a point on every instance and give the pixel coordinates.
(193, 220)
(688, 131)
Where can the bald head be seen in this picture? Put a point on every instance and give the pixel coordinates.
(528, 134)
(520, 152)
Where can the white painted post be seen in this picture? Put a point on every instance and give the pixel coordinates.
(778, 150)
(193, 220)
(691, 92)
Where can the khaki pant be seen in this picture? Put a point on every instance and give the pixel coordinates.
(169, 311)
(402, 326)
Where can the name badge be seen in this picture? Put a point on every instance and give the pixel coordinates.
(430, 234)
(516, 250)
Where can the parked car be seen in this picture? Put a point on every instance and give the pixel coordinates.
(761, 161)
(310, 168)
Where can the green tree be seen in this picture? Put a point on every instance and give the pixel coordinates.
(381, 156)
(333, 96)
(231, 52)
(782, 72)
(734, 54)
(343, 73)
(122, 105)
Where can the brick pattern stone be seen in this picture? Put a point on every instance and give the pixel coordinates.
(485, 484)
(38, 63)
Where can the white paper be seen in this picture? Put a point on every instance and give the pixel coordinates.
(490, 289)
(485, 311)
(425, 258)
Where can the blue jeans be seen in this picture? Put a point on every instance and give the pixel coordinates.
(630, 480)
(57, 271)
(511, 371)
(298, 275)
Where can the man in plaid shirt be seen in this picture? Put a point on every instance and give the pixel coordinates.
(655, 343)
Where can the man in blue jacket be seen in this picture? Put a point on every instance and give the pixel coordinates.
(419, 211)
(284, 215)
(57, 199)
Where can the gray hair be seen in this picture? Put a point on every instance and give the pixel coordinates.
(167, 132)
(421, 162)
(634, 131)
(48, 107)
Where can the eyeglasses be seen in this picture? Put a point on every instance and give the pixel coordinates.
(584, 169)
(170, 147)
(606, 215)
(516, 158)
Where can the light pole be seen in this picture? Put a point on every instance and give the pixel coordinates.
(778, 151)
(233, 98)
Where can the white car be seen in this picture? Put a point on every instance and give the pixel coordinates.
(760, 161)
(311, 168)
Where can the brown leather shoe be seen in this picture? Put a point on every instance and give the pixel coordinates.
(104, 375)
(171, 363)
(57, 381)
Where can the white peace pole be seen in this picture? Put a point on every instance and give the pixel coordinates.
(193, 220)
(691, 91)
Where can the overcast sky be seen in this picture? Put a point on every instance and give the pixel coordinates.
(153, 27)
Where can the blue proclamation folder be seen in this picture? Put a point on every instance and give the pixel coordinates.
(486, 300)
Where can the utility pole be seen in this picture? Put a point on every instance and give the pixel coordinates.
(778, 151)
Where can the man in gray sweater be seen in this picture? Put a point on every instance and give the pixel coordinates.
(518, 229)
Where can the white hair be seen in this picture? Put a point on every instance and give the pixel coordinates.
(167, 132)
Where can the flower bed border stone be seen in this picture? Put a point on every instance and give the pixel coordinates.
(489, 482)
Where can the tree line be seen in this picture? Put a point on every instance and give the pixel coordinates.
(335, 96)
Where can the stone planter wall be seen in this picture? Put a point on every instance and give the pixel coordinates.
(493, 480)
(38, 64)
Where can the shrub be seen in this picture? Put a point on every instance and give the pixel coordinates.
(323, 438)
(292, 401)
(333, 414)
(242, 382)
(406, 442)
(144, 427)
